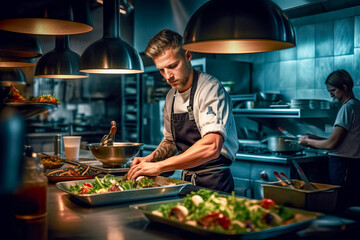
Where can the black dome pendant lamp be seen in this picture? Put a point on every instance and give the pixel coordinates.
(236, 26)
(110, 54)
(18, 50)
(61, 63)
(11, 76)
(19, 45)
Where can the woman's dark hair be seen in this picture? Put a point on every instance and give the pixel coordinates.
(339, 78)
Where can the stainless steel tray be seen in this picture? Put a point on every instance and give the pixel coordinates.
(147, 209)
(97, 199)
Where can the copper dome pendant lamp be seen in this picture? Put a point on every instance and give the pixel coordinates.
(235, 26)
(55, 17)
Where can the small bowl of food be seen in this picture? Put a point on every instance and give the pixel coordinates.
(50, 162)
(116, 155)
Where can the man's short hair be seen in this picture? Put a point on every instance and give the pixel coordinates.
(162, 41)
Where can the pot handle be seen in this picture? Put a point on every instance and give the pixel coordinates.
(264, 140)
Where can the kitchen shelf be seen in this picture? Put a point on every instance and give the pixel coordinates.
(130, 108)
(283, 113)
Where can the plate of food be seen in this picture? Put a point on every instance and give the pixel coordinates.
(32, 106)
(51, 162)
(210, 213)
(112, 189)
(71, 173)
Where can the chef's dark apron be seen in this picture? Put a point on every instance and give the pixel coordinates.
(214, 174)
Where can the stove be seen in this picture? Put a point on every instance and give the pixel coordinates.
(262, 153)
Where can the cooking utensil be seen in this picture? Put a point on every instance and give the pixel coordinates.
(308, 185)
(108, 140)
(286, 180)
(286, 133)
(271, 97)
(283, 144)
(279, 178)
(117, 155)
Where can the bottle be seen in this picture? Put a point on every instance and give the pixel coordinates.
(30, 199)
(58, 144)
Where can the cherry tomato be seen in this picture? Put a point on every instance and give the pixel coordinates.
(213, 218)
(87, 185)
(267, 203)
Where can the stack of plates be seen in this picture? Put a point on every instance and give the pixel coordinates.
(300, 103)
(310, 104)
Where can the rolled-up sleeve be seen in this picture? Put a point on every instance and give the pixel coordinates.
(167, 115)
(213, 108)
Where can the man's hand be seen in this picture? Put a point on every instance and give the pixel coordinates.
(138, 160)
(144, 168)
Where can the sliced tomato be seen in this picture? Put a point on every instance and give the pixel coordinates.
(87, 185)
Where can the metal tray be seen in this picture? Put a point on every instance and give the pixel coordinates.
(97, 199)
(147, 209)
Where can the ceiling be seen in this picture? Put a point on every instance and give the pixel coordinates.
(292, 8)
(301, 8)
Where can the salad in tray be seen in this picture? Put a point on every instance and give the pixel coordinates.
(227, 214)
(110, 183)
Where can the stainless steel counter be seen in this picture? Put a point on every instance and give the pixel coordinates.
(69, 220)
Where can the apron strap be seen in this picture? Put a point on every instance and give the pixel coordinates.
(195, 173)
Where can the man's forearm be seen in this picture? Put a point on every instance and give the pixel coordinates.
(165, 150)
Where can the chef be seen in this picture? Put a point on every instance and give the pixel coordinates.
(344, 141)
(199, 129)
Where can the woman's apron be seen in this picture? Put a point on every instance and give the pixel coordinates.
(214, 174)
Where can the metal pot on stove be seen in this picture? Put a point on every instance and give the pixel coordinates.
(281, 144)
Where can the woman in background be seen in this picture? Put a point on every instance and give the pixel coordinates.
(344, 142)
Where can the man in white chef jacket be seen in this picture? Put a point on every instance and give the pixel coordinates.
(199, 129)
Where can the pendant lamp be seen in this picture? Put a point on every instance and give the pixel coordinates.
(236, 26)
(61, 63)
(110, 54)
(19, 45)
(16, 62)
(55, 17)
(12, 76)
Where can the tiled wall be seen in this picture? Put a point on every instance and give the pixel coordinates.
(324, 43)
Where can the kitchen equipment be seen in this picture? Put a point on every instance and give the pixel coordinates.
(148, 208)
(308, 185)
(270, 97)
(114, 156)
(58, 144)
(256, 104)
(283, 183)
(108, 140)
(283, 144)
(323, 199)
(286, 180)
(286, 133)
(128, 195)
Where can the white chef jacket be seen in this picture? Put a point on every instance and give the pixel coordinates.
(212, 112)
